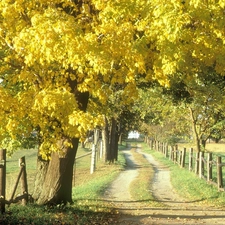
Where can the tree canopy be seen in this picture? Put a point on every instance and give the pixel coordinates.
(53, 50)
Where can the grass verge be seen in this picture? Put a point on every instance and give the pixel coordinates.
(188, 185)
(140, 187)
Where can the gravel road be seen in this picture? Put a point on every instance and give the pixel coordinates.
(176, 211)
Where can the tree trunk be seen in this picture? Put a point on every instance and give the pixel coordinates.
(42, 168)
(113, 141)
(120, 139)
(105, 140)
(110, 141)
(203, 143)
(57, 187)
(196, 135)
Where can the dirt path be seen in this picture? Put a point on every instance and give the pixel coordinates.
(176, 211)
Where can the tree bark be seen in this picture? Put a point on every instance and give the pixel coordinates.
(110, 140)
(105, 140)
(42, 168)
(57, 187)
(120, 139)
(113, 141)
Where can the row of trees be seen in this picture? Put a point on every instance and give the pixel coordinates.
(68, 66)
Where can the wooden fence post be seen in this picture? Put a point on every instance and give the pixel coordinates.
(196, 162)
(2, 179)
(201, 164)
(209, 167)
(24, 186)
(179, 157)
(190, 159)
(172, 153)
(93, 159)
(219, 173)
(175, 153)
(183, 158)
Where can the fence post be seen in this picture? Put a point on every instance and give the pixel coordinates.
(201, 164)
(209, 167)
(175, 153)
(219, 173)
(171, 153)
(183, 158)
(2, 179)
(179, 153)
(93, 159)
(196, 162)
(190, 159)
(24, 186)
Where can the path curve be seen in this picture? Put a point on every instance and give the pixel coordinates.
(178, 210)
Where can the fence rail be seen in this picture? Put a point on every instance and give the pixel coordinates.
(201, 163)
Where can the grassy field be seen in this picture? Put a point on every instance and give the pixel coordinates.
(210, 147)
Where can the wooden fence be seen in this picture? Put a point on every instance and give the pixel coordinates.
(22, 176)
(203, 164)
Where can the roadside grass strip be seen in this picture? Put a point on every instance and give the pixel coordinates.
(140, 188)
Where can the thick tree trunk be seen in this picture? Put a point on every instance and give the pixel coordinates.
(110, 141)
(42, 168)
(57, 188)
(113, 141)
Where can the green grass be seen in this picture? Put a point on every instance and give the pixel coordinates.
(96, 183)
(140, 187)
(216, 151)
(188, 185)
